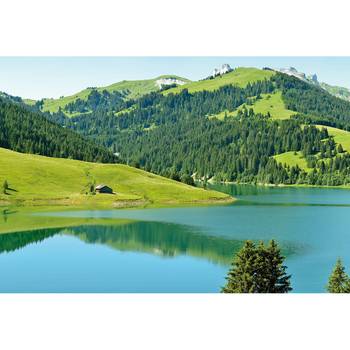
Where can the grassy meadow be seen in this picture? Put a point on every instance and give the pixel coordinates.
(292, 159)
(340, 136)
(240, 76)
(37, 180)
(269, 103)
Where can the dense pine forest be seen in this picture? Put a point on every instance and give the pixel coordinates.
(311, 100)
(30, 132)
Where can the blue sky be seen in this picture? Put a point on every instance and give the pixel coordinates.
(38, 77)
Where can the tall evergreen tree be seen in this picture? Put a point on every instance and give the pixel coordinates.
(240, 278)
(339, 281)
(258, 269)
(273, 276)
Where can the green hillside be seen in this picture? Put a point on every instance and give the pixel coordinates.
(340, 136)
(29, 101)
(296, 158)
(269, 103)
(338, 91)
(25, 131)
(292, 159)
(240, 76)
(38, 180)
(132, 88)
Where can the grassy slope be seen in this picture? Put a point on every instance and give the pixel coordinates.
(240, 76)
(136, 88)
(41, 180)
(292, 159)
(29, 101)
(340, 136)
(271, 103)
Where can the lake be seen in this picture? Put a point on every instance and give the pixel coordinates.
(183, 249)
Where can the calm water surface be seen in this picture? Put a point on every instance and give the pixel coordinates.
(176, 249)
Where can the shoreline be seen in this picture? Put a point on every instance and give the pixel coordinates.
(344, 187)
(38, 217)
(64, 204)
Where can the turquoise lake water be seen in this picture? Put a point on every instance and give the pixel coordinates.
(179, 249)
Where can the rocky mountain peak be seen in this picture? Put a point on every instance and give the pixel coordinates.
(225, 68)
(169, 81)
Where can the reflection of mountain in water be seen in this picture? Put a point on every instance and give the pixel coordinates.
(163, 239)
(13, 241)
(160, 238)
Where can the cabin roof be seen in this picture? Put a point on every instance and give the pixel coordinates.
(98, 187)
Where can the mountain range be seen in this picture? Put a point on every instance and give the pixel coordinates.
(338, 91)
(237, 125)
(131, 89)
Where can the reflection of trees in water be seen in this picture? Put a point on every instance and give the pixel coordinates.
(13, 241)
(157, 238)
(163, 239)
(5, 213)
(160, 238)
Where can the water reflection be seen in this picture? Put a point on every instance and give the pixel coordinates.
(167, 240)
(12, 241)
(163, 239)
(4, 214)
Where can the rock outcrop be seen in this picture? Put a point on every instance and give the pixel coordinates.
(337, 91)
(169, 81)
(225, 68)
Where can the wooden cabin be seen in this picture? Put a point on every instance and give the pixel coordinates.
(103, 189)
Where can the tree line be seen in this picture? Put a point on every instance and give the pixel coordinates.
(26, 131)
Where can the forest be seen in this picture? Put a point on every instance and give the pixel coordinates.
(25, 131)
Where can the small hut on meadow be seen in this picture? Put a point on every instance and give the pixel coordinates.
(103, 189)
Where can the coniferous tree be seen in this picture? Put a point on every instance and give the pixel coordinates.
(339, 281)
(340, 148)
(258, 269)
(273, 276)
(187, 179)
(5, 187)
(240, 278)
